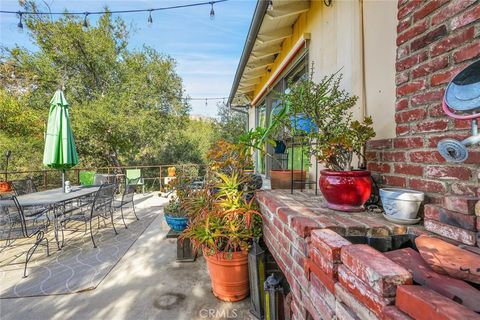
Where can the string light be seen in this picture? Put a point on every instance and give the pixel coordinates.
(20, 24)
(270, 5)
(85, 21)
(85, 14)
(212, 12)
(150, 20)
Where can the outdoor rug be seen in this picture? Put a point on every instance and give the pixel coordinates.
(78, 266)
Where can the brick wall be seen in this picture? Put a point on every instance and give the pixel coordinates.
(331, 278)
(435, 40)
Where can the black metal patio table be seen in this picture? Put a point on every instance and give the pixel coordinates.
(54, 198)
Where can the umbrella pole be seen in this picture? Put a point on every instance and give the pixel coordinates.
(63, 180)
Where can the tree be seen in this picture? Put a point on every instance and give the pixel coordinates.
(124, 104)
(231, 123)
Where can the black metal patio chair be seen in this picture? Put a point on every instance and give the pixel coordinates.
(126, 199)
(17, 222)
(23, 186)
(100, 207)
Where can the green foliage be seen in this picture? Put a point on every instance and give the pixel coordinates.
(174, 209)
(126, 106)
(339, 137)
(230, 123)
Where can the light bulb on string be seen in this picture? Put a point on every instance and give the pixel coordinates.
(270, 5)
(150, 19)
(20, 24)
(212, 12)
(85, 21)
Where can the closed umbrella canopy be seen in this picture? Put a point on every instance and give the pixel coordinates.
(60, 151)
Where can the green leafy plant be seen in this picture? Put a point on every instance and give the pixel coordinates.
(339, 137)
(174, 208)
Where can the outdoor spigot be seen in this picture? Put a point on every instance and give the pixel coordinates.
(456, 151)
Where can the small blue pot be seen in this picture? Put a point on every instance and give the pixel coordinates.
(303, 123)
(176, 223)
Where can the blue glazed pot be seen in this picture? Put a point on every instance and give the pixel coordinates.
(176, 223)
(303, 123)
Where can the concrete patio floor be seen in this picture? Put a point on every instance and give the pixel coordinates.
(147, 283)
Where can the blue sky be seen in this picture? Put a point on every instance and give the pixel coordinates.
(207, 51)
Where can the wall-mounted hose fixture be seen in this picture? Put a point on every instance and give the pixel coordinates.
(462, 95)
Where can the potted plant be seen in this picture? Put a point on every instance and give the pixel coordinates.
(175, 216)
(6, 186)
(338, 140)
(224, 228)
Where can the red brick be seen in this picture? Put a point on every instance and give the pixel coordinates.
(412, 32)
(426, 98)
(427, 185)
(409, 115)
(402, 77)
(402, 52)
(428, 38)
(434, 140)
(349, 300)
(303, 225)
(445, 285)
(465, 18)
(380, 144)
(394, 156)
(431, 126)
(468, 52)
(430, 67)
(410, 61)
(407, 8)
(392, 313)
(372, 156)
(352, 227)
(285, 214)
(402, 129)
(410, 87)
(403, 25)
(395, 181)
(454, 233)
(447, 172)
(478, 223)
(426, 157)
(462, 124)
(379, 167)
(410, 142)
(327, 266)
(427, 9)
(450, 217)
(452, 42)
(343, 312)
(410, 169)
(473, 157)
(465, 205)
(450, 10)
(401, 105)
(445, 77)
(329, 244)
(465, 189)
(424, 304)
(362, 292)
(377, 271)
(312, 268)
(436, 111)
(317, 288)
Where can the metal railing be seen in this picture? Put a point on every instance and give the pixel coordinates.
(152, 174)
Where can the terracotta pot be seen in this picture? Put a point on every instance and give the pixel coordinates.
(229, 275)
(346, 190)
(282, 179)
(5, 186)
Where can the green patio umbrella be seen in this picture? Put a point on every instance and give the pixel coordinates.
(60, 152)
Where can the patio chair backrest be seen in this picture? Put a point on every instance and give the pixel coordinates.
(102, 202)
(13, 222)
(134, 174)
(23, 186)
(87, 178)
(128, 194)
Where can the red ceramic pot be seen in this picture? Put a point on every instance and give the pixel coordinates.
(5, 186)
(346, 190)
